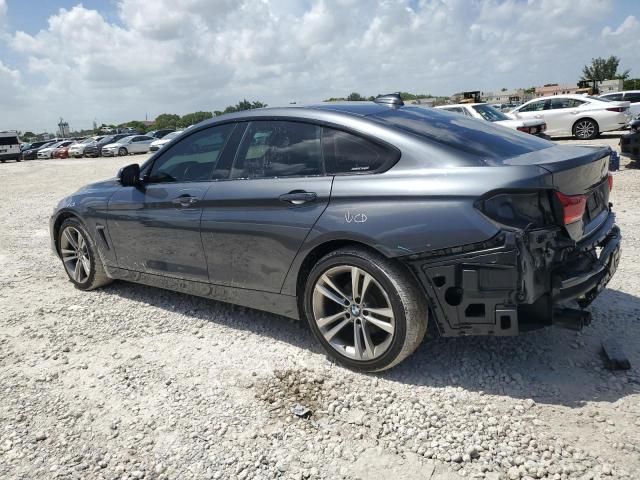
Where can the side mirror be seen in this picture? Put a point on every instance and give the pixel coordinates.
(129, 176)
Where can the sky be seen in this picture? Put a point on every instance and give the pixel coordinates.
(118, 60)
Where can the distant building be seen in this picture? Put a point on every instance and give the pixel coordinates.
(556, 89)
(584, 86)
(517, 95)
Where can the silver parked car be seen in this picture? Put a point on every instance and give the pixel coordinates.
(127, 145)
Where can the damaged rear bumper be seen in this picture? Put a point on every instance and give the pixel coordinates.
(514, 282)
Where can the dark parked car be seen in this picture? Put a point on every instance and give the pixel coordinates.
(367, 219)
(160, 133)
(95, 149)
(32, 152)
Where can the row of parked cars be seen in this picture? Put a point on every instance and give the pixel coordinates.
(101, 145)
(581, 116)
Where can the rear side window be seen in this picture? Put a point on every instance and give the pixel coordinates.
(9, 141)
(558, 103)
(347, 153)
(614, 96)
(274, 148)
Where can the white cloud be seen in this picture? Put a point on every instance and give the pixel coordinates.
(202, 55)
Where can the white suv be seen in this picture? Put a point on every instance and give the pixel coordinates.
(10, 147)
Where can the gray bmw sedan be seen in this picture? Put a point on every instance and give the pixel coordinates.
(368, 220)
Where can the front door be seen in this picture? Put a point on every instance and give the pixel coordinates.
(155, 228)
(254, 224)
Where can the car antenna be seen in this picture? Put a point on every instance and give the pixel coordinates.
(392, 99)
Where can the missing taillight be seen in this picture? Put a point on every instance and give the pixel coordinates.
(520, 210)
(573, 206)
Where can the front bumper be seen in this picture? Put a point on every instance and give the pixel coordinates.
(109, 153)
(514, 281)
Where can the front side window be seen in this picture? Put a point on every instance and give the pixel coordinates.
(273, 148)
(533, 107)
(348, 153)
(194, 158)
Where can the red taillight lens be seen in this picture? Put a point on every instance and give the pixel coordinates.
(616, 109)
(523, 129)
(573, 206)
(610, 180)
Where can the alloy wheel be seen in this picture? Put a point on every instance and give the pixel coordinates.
(75, 254)
(585, 129)
(353, 312)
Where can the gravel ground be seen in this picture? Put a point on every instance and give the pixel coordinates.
(133, 382)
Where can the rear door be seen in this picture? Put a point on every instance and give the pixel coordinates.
(155, 228)
(561, 113)
(254, 224)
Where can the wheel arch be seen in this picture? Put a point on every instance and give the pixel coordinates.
(57, 224)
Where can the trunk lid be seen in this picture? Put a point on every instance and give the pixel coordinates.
(576, 170)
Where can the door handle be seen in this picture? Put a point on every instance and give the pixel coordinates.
(298, 197)
(184, 201)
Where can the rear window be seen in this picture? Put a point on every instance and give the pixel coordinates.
(349, 154)
(477, 137)
(9, 141)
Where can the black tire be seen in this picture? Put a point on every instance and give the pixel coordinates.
(407, 302)
(586, 129)
(123, 152)
(97, 276)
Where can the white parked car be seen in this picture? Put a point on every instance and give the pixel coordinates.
(77, 149)
(127, 145)
(631, 96)
(581, 116)
(48, 152)
(161, 142)
(483, 111)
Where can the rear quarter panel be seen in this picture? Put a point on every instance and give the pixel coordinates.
(412, 211)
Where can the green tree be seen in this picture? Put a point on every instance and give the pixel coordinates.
(631, 84)
(28, 134)
(355, 97)
(603, 69)
(530, 90)
(240, 106)
(193, 118)
(137, 125)
(166, 120)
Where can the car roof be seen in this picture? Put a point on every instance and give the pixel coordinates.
(621, 91)
(576, 96)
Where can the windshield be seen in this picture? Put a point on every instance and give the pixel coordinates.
(490, 113)
(124, 139)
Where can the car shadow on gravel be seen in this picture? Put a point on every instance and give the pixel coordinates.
(551, 366)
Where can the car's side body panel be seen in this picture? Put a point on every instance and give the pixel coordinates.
(250, 236)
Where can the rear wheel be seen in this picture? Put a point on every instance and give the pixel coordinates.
(80, 256)
(365, 310)
(585, 129)
(123, 152)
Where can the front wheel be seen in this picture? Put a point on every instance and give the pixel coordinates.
(123, 152)
(364, 309)
(585, 129)
(80, 256)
